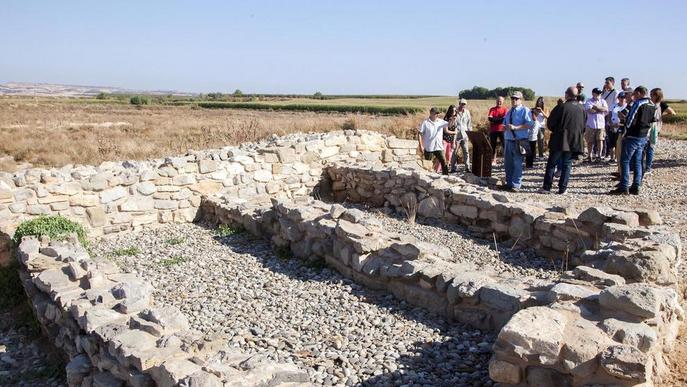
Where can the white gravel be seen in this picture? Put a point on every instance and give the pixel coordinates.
(340, 332)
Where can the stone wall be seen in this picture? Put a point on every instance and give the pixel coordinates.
(589, 327)
(112, 334)
(628, 242)
(127, 195)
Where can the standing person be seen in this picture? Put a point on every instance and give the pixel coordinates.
(532, 135)
(430, 138)
(622, 118)
(566, 124)
(625, 85)
(610, 95)
(614, 125)
(463, 126)
(449, 133)
(495, 117)
(516, 125)
(637, 126)
(662, 108)
(580, 95)
(595, 131)
(542, 116)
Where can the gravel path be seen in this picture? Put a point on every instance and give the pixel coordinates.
(342, 333)
(480, 253)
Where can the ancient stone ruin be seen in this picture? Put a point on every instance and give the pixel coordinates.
(607, 317)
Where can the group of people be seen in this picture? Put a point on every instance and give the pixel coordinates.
(612, 125)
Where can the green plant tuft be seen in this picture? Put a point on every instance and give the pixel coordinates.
(54, 227)
(174, 260)
(224, 230)
(174, 241)
(129, 251)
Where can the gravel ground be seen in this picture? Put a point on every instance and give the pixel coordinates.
(26, 358)
(510, 260)
(342, 333)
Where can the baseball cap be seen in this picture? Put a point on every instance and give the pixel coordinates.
(516, 94)
(462, 101)
(596, 90)
(580, 84)
(621, 94)
(433, 110)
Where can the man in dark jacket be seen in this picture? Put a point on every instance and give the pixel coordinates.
(637, 125)
(566, 123)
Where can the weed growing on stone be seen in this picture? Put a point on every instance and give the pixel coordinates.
(174, 241)
(124, 252)
(174, 260)
(224, 230)
(55, 227)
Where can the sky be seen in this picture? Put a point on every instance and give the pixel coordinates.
(344, 47)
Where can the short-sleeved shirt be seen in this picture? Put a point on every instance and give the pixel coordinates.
(520, 115)
(610, 96)
(595, 120)
(432, 134)
(497, 112)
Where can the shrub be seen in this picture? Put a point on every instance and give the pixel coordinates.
(370, 109)
(224, 230)
(131, 251)
(675, 119)
(478, 92)
(54, 227)
(139, 100)
(174, 260)
(238, 93)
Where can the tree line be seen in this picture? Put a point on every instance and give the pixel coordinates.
(479, 92)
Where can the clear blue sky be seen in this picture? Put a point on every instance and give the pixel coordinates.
(398, 47)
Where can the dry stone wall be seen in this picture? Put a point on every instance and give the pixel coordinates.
(112, 334)
(115, 197)
(589, 327)
(627, 242)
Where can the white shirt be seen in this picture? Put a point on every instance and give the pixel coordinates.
(615, 118)
(533, 133)
(463, 124)
(610, 96)
(595, 120)
(432, 134)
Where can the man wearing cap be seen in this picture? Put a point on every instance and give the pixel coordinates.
(430, 138)
(566, 123)
(463, 126)
(580, 95)
(595, 132)
(516, 125)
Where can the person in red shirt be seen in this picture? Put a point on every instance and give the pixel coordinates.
(495, 117)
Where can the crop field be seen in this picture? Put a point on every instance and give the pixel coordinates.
(52, 132)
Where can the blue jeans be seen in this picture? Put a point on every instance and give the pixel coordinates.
(649, 151)
(513, 164)
(633, 148)
(555, 159)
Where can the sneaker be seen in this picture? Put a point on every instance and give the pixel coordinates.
(544, 191)
(564, 192)
(634, 190)
(648, 173)
(619, 191)
(612, 161)
(515, 189)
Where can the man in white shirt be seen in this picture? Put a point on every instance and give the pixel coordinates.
(595, 131)
(430, 138)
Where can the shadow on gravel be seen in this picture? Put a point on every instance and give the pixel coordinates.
(457, 361)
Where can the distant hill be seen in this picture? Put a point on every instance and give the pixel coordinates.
(57, 90)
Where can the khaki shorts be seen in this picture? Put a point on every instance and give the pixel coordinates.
(592, 135)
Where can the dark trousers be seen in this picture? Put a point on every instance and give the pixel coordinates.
(439, 154)
(540, 144)
(529, 159)
(556, 158)
(494, 138)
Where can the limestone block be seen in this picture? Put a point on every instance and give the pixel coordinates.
(535, 333)
(469, 212)
(638, 299)
(171, 372)
(626, 363)
(582, 345)
(166, 204)
(98, 316)
(637, 335)
(112, 194)
(38, 209)
(431, 207)
(262, 175)
(503, 297)
(206, 187)
(504, 372)
(137, 203)
(596, 276)
(134, 296)
(146, 188)
(53, 280)
(84, 200)
(96, 216)
(207, 166)
(570, 292)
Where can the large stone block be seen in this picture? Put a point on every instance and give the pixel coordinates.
(535, 333)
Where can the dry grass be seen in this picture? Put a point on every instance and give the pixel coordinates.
(52, 132)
